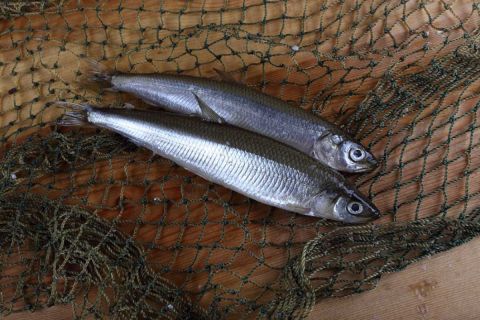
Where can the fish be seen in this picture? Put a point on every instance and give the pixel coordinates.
(253, 165)
(244, 107)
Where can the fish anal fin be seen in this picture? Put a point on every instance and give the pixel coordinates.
(206, 111)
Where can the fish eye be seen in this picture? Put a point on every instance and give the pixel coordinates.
(355, 207)
(357, 154)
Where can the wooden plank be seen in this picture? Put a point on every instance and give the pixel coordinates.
(445, 286)
(423, 290)
(63, 312)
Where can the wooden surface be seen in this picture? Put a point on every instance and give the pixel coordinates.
(446, 286)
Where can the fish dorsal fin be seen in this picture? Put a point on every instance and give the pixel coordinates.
(224, 76)
(206, 111)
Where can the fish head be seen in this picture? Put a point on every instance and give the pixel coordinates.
(342, 206)
(343, 154)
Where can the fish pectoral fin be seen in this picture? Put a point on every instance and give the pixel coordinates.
(224, 76)
(206, 111)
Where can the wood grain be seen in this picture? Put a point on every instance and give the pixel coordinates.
(443, 287)
(31, 54)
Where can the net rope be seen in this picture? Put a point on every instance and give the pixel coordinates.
(91, 221)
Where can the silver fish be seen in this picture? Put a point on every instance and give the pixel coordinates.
(246, 108)
(255, 166)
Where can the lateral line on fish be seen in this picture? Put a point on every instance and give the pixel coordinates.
(249, 109)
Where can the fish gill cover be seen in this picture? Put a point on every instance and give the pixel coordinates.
(89, 220)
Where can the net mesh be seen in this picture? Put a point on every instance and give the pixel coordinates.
(88, 219)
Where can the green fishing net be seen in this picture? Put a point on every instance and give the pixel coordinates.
(90, 221)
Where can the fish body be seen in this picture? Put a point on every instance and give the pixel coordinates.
(255, 166)
(244, 107)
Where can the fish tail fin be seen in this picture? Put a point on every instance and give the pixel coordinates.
(97, 74)
(76, 114)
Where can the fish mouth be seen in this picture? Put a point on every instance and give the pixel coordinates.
(369, 165)
(372, 161)
(372, 211)
(362, 169)
(370, 216)
(360, 220)
(375, 214)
